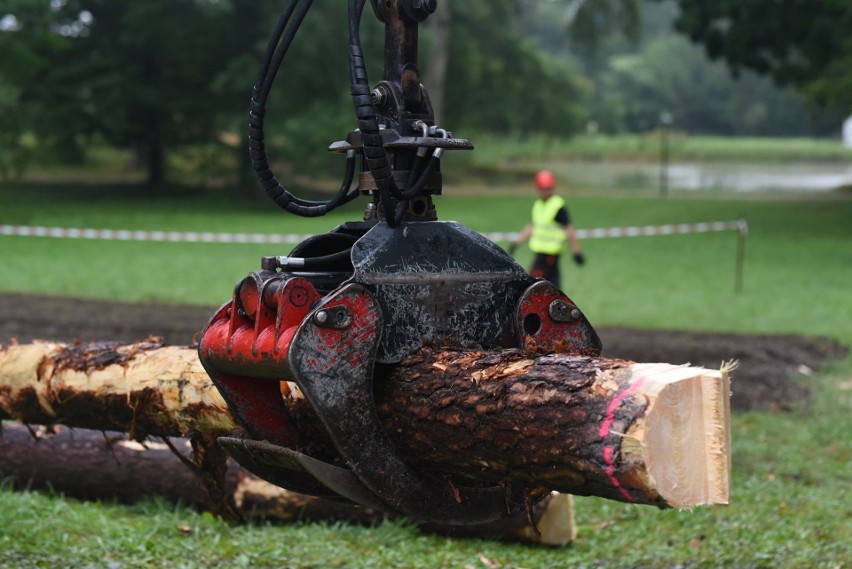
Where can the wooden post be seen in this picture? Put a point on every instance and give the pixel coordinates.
(742, 233)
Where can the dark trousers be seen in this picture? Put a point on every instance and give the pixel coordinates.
(546, 267)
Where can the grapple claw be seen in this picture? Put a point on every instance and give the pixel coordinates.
(278, 327)
(372, 291)
(270, 462)
(333, 366)
(298, 472)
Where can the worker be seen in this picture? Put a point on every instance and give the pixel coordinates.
(548, 231)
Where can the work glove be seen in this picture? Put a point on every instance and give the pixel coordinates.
(579, 259)
(512, 248)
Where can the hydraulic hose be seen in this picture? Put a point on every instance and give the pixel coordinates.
(276, 50)
(368, 125)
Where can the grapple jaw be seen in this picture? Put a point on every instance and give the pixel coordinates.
(435, 283)
(371, 292)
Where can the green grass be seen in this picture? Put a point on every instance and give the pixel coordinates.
(492, 150)
(789, 508)
(790, 502)
(798, 263)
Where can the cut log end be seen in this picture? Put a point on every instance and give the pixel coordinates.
(684, 438)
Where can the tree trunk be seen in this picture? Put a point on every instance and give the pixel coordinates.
(644, 433)
(246, 181)
(98, 465)
(155, 152)
(436, 72)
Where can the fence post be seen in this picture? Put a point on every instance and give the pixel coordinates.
(742, 233)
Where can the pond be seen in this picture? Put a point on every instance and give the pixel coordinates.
(731, 176)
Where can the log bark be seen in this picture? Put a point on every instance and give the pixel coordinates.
(95, 465)
(643, 433)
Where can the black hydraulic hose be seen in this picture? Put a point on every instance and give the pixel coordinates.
(415, 189)
(318, 262)
(275, 63)
(394, 218)
(418, 186)
(371, 137)
(275, 52)
(273, 41)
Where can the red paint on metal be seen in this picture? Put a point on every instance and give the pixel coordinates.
(551, 335)
(245, 348)
(258, 405)
(235, 344)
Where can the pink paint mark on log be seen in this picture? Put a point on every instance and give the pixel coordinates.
(606, 426)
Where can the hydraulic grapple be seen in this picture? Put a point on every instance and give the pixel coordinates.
(372, 292)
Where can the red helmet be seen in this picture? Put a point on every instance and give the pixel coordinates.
(545, 180)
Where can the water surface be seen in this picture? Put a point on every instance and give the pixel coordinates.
(732, 176)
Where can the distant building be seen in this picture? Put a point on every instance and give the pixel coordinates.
(847, 133)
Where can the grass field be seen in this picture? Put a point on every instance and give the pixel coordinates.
(492, 149)
(789, 509)
(798, 263)
(790, 503)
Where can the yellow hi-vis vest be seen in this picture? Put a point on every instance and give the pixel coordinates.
(548, 236)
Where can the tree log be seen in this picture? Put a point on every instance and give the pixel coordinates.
(643, 433)
(97, 465)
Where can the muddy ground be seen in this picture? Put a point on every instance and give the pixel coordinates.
(773, 371)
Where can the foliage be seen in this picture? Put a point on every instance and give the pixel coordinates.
(639, 68)
(805, 43)
(590, 23)
(497, 81)
(143, 75)
(13, 155)
(155, 77)
(170, 81)
(669, 75)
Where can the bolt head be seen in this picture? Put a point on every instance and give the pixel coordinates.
(321, 317)
(562, 311)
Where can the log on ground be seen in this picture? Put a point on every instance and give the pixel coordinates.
(94, 465)
(644, 433)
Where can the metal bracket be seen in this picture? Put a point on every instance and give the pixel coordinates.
(549, 319)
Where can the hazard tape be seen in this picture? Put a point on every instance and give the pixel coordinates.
(291, 239)
(141, 235)
(644, 230)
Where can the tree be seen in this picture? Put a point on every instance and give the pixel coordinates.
(671, 75)
(156, 76)
(803, 43)
(141, 75)
(498, 80)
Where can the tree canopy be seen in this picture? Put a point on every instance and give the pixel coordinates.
(146, 75)
(155, 77)
(805, 43)
(499, 81)
(670, 75)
